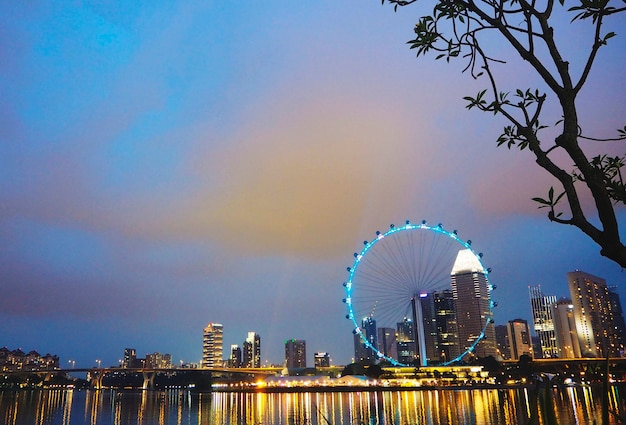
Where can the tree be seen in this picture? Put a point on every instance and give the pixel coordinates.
(458, 29)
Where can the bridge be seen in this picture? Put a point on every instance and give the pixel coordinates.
(200, 378)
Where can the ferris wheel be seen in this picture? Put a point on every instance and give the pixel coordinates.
(402, 288)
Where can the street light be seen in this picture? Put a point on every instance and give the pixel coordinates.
(72, 363)
(99, 362)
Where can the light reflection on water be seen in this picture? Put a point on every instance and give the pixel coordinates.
(572, 405)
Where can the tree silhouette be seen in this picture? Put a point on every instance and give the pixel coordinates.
(460, 28)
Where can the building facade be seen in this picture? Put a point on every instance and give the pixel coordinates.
(295, 353)
(519, 339)
(543, 322)
(252, 350)
(565, 329)
(597, 314)
(322, 359)
(472, 297)
(212, 347)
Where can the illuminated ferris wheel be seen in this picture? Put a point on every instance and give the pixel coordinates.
(405, 290)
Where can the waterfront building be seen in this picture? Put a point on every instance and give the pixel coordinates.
(212, 348)
(502, 342)
(446, 329)
(597, 314)
(405, 341)
(130, 358)
(158, 361)
(322, 359)
(519, 338)
(295, 353)
(387, 344)
(252, 350)
(542, 307)
(429, 328)
(235, 356)
(565, 329)
(618, 318)
(13, 360)
(362, 351)
(472, 297)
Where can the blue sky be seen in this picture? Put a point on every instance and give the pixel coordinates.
(168, 164)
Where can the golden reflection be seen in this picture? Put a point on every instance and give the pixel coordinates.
(425, 407)
(67, 406)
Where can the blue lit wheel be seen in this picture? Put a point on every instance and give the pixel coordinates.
(403, 293)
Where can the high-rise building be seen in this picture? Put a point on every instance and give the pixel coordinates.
(322, 359)
(235, 356)
(598, 326)
(405, 341)
(212, 349)
(542, 308)
(386, 341)
(295, 353)
(619, 327)
(502, 342)
(368, 330)
(159, 361)
(472, 297)
(446, 330)
(130, 357)
(565, 329)
(252, 350)
(519, 338)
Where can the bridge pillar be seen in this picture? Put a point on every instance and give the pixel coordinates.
(95, 378)
(148, 380)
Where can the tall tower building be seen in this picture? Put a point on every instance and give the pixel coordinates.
(519, 338)
(597, 322)
(446, 326)
(386, 341)
(235, 356)
(212, 347)
(542, 307)
(130, 357)
(502, 341)
(565, 329)
(252, 350)
(295, 353)
(405, 341)
(471, 293)
(361, 351)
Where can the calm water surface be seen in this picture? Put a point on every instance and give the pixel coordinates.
(434, 407)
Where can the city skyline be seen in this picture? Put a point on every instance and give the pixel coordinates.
(163, 166)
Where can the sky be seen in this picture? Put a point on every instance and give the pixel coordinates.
(164, 165)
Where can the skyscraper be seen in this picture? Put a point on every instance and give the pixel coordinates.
(368, 330)
(235, 356)
(252, 350)
(212, 346)
(446, 326)
(565, 329)
(405, 341)
(598, 326)
(472, 298)
(519, 338)
(542, 308)
(130, 357)
(502, 341)
(386, 341)
(295, 353)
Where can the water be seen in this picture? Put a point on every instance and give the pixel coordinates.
(564, 406)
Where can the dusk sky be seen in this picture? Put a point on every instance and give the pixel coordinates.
(168, 164)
